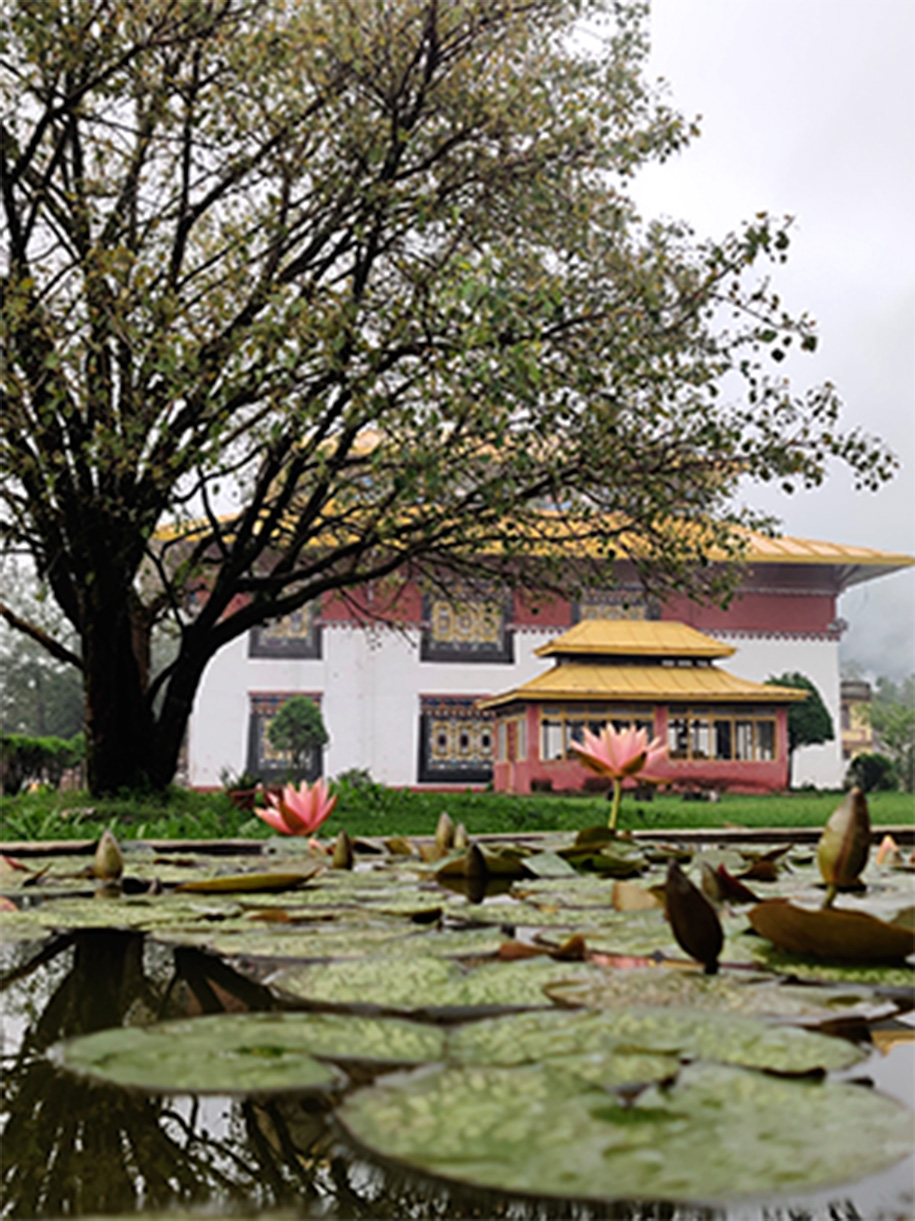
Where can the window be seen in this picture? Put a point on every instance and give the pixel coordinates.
(455, 740)
(295, 635)
(721, 733)
(468, 628)
(264, 760)
(560, 727)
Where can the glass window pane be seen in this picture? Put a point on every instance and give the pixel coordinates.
(551, 743)
(765, 739)
(575, 732)
(699, 738)
(676, 738)
(502, 741)
(744, 735)
(723, 740)
(522, 738)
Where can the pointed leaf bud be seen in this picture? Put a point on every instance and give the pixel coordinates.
(108, 862)
(444, 832)
(343, 856)
(845, 843)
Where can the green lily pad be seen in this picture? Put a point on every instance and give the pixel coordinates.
(411, 983)
(225, 1054)
(726, 993)
(140, 914)
(716, 1133)
(729, 1038)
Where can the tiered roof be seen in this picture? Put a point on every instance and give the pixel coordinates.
(607, 660)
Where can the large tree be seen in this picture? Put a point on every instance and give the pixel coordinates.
(303, 295)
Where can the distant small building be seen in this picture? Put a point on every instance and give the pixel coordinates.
(857, 735)
(721, 731)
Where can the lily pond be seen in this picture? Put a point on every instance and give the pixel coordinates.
(412, 1030)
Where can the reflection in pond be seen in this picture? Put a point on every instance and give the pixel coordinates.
(77, 1148)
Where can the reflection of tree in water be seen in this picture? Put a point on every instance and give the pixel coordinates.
(71, 1147)
(76, 1148)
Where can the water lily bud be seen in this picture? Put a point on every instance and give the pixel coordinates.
(888, 853)
(108, 862)
(476, 871)
(845, 843)
(461, 838)
(444, 832)
(693, 920)
(343, 852)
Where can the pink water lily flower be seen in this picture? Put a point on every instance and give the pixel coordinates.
(298, 811)
(620, 753)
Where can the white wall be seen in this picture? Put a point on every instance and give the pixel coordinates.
(817, 660)
(371, 681)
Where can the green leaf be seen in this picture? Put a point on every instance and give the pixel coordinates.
(715, 1133)
(225, 1054)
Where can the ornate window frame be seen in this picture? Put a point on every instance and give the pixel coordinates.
(456, 741)
(624, 604)
(296, 635)
(467, 629)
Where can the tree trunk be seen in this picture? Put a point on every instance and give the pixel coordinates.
(119, 726)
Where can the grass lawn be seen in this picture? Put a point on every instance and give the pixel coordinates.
(375, 810)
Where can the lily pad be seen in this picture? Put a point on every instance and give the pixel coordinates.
(416, 983)
(225, 1054)
(729, 1038)
(716, 1133)
(754, 996)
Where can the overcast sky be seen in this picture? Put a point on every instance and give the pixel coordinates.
(808, 109)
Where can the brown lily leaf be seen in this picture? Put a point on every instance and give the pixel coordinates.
(842, 936)
(512, 951)
(731, 889)
(250, 882)
(693, 920)
(760, 871)
(631, 897)
(772, 854)
(573, 949)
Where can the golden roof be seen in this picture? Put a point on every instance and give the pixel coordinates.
(634, 638)
(587, 681)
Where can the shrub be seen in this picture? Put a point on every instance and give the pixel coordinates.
(872, 773)
(43, 760)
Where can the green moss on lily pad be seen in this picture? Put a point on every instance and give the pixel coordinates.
(716, 1133)
(247, 1053)
(553, 1034)
(226, 1054)
(409, 983)
(753, 995)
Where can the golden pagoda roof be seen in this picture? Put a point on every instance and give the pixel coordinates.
(634, 638)
(854, 564)
(590, 681)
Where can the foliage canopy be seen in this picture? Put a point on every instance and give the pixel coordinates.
(299, 297)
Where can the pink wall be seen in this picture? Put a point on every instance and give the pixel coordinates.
(570, 775)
